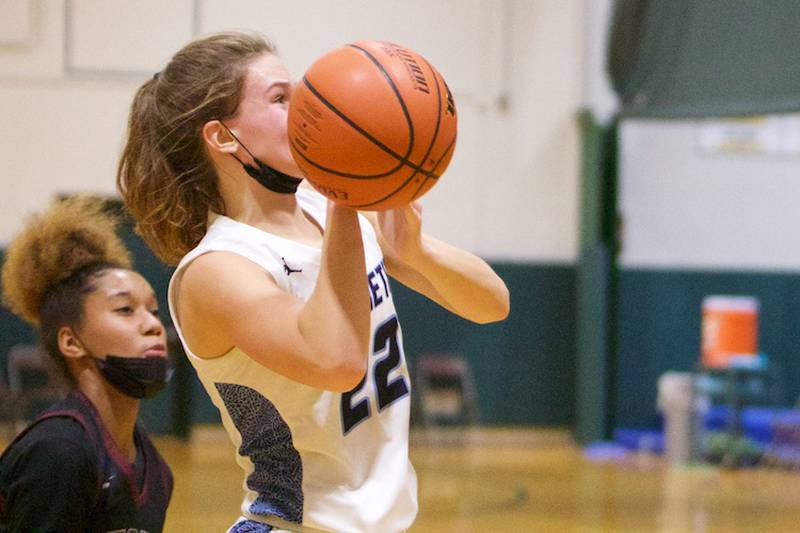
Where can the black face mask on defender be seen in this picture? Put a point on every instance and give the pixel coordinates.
(137, 377)
(267, 176)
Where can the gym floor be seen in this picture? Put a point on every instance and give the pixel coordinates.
(519, 480)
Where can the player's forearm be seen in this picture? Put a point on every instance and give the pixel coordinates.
(468, 285)
(336, 318)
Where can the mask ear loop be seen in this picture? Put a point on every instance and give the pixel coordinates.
(240, 144)
(267, 176)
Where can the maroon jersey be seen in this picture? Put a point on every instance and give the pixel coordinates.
(65, 473)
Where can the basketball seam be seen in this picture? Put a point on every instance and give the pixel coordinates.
(339, 173)
(430, 146)
(396, 92)
(438, 124)
(402, 160)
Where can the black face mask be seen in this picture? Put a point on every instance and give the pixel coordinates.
(267, 176)
(137, 377)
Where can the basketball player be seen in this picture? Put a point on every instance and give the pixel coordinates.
(281, 299)
(84, 464)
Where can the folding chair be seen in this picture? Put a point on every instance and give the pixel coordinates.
(33, 381)
(445, 390)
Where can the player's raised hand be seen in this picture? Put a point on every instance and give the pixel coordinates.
(401, 231)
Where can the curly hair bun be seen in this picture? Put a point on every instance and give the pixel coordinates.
(70, 235)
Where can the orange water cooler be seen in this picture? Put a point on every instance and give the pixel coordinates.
(729, 329)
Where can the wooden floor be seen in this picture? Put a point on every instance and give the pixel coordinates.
(519, 481)
(509, 481)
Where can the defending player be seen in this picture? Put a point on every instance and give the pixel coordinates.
(84, 464)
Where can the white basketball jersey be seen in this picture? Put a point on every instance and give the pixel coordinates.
(314, 459)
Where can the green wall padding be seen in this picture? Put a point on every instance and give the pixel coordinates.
(659, 330)
(12, 331)
(524, 367)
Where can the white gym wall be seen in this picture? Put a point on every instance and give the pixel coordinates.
(69, 68)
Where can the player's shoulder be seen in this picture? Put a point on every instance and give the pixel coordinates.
(60, 441)
(221, 265)
(63, 430)
(223, 231)
(216, 277)
(229, 246)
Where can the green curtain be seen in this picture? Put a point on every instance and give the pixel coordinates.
(705, 58)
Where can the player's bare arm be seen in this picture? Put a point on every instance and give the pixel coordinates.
(322, 343)
(457, 280)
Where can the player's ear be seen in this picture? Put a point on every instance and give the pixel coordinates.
(69, 344)
(218, 138)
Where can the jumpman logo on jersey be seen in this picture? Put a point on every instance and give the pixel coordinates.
(289, 270)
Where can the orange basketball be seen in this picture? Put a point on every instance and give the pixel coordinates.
(372, 125)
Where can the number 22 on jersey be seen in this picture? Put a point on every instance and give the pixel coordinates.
(386, 346)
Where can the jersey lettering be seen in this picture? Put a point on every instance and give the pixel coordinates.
(352, 415)
(386, 345)
(386, 342)
(378, 286)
